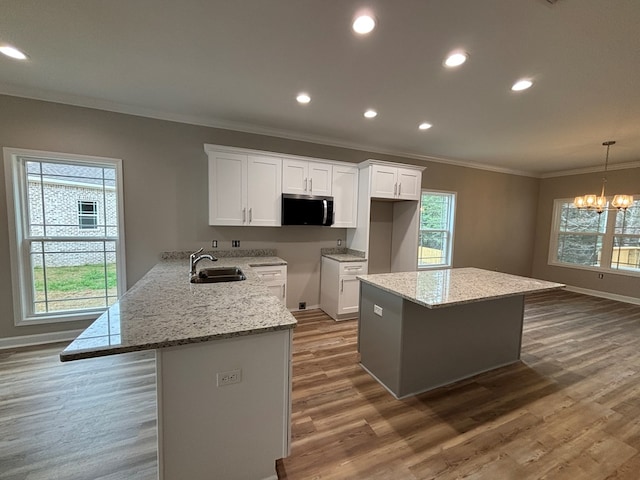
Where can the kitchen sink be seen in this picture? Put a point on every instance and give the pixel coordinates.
(219, 274)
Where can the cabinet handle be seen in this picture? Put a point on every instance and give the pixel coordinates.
(341, 286)
(311, 184)
(244, 215)
(284, 291)
(305, 184)
(399, 188)
(395, 189)
(250, 214)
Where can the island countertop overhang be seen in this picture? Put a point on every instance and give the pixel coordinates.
(164, 309)
(456, 286)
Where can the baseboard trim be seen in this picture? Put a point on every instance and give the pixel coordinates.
(610, 296)
(309, 307)
(39, 339)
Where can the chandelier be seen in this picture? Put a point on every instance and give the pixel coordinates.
(599, 202)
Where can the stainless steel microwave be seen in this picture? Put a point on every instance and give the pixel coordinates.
(307, 210)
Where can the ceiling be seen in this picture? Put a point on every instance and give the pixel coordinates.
(240, 64)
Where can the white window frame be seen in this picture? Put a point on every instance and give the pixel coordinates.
(450, 230)
(17, 211)
(607, 244)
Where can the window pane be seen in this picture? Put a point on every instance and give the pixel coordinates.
(73, 275)
(576, 220)
(434, 212)
(626, 253)
(432, 248)
(628, 222)
(67, 199)
(580, 249)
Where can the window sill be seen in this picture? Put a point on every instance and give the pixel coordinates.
(608, 271)
(62, 318)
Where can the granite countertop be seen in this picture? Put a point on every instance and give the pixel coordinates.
(343, 254)
(446, 288)
(164, 309)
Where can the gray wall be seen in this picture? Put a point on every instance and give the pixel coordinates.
(622, 181)
(165, 196)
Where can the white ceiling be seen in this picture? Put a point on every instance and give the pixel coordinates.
(240, 63)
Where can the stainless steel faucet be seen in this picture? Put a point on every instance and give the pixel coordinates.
(195, 257)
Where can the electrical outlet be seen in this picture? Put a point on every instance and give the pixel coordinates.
(214, 243)
(377, 309)
(339, 242)
(229, 378)
(302, 306)
(235, 243)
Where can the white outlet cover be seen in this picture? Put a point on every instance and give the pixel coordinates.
(377, 309)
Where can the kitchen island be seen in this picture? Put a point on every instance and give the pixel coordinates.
(422, 330)
(223, 366)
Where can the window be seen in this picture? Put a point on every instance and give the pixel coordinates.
(87, 215)
(435, 242)
(65, 221)
(586, 239)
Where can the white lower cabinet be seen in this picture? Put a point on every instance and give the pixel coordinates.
(275, 278)
(340, 288)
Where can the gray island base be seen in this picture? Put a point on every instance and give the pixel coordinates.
(421, 330)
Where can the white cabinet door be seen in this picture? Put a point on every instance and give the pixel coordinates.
(244, 189)
(409, 184)
(264, 184)
(349, 299)
(319, 179)
(306, 178)
(397, 183)
(295, 176)
(384, 181)
(227, 188)
(344, 186)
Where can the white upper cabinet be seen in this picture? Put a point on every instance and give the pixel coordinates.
(244, 189)
(306, 178)
(395, 182)
(344, 186)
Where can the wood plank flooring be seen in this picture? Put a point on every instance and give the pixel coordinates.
(569, 410)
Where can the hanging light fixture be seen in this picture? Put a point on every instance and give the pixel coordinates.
(599, 202)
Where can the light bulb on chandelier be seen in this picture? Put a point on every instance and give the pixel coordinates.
(599, 202)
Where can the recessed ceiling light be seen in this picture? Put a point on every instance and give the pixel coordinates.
(456, 59)
(303, 98)
(363, 24)
(521, 85)
(425, 126)
(12, 52)
(370, 113)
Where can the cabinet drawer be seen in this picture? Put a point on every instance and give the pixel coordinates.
(268, 274)
(353, 268)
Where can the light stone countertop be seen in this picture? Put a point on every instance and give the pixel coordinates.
(344, 257)
(164, 309)
(446, 288)
(343, 254)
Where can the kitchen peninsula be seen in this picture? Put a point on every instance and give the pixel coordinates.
(223, 366)
(421, 330)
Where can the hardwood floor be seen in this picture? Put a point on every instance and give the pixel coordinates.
(570, 410)
(84, 420)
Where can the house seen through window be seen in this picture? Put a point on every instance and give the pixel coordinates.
(69, 254)
(435, 243)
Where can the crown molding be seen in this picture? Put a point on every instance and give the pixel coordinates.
(99, 104)
(581, 171)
